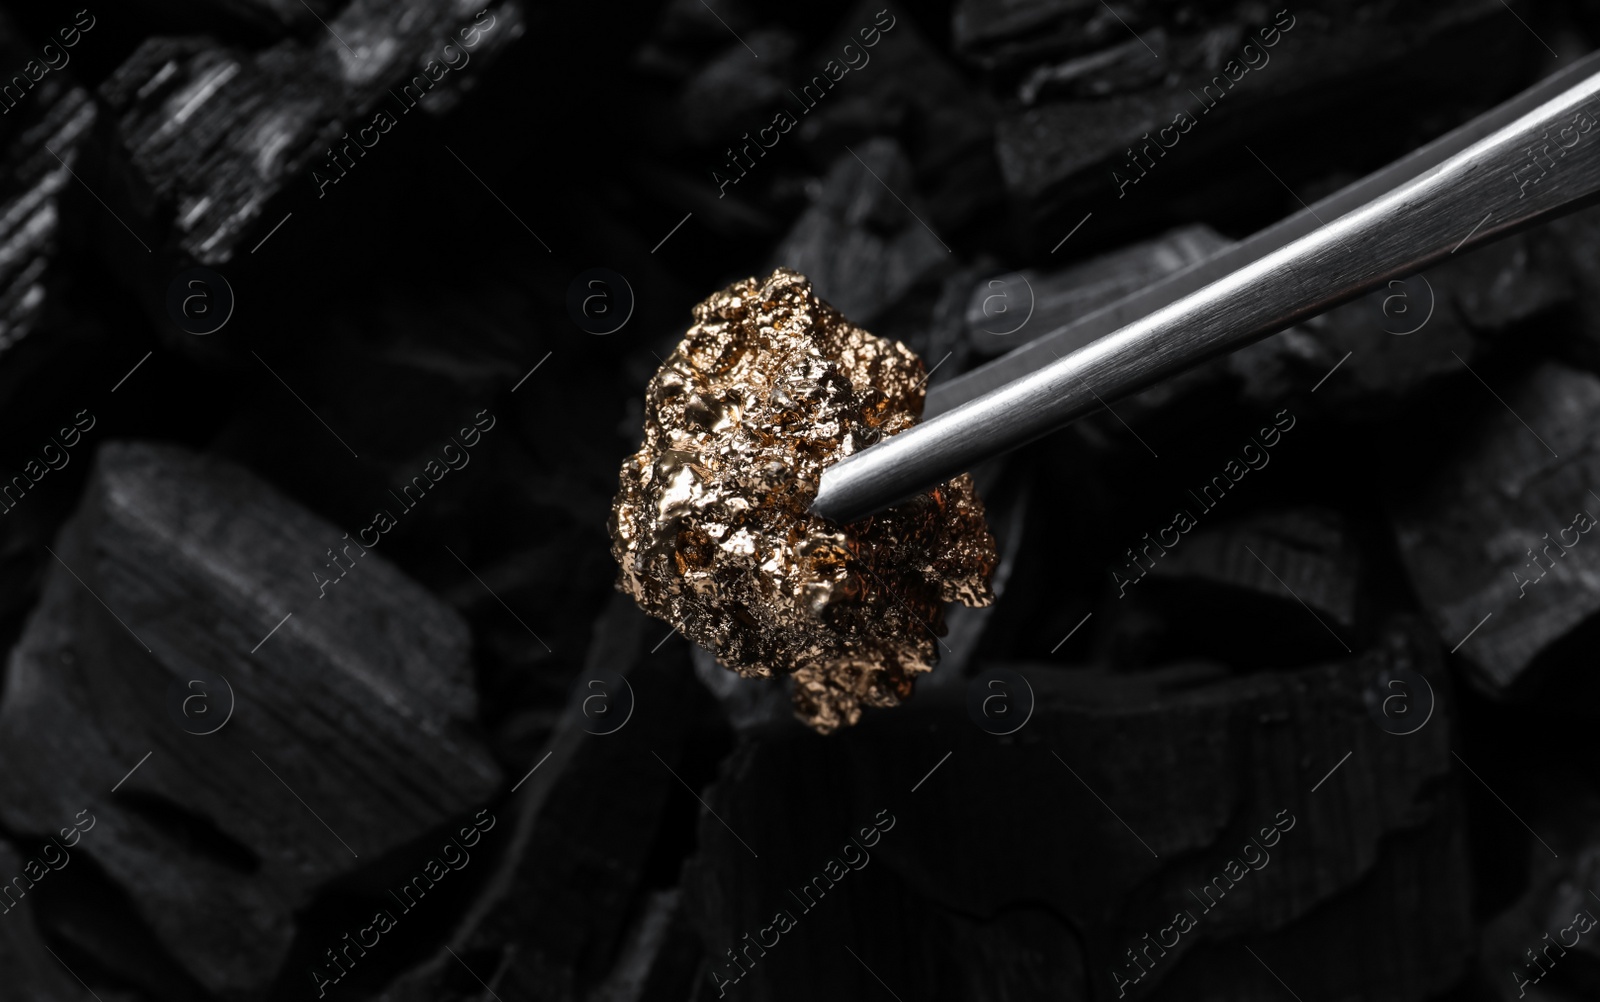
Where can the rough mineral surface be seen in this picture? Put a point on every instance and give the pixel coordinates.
(711, 526)
(362, 705)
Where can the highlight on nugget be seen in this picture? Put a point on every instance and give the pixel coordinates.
(711, 526)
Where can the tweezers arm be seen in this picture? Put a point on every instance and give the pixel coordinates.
(1542, 164)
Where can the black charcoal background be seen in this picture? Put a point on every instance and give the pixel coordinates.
(1342, 721)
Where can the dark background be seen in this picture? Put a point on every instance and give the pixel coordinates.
(1437, 837)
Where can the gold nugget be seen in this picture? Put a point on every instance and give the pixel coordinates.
(711, 527)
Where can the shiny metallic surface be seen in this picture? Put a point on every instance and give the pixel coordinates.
(1544, 162)
(710, 525)
(1046, 348)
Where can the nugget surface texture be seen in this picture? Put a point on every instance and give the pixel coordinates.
(710, 525)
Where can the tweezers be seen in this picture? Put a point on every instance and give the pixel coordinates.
(1528, 160)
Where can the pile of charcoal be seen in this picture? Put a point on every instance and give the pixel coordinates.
(1286, 651)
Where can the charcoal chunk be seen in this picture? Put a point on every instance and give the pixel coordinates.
(861, 246)
(1118, 69)
(1096, 846)
(35, 197)
(998, 317)
(906, 88)
(730, 93)
(1417, 894)
(1307, 552)
(1494, 533)
(1555, 917)
(588, 823)
(31, 972)
(996, 32)
(1579, 238)
(1070, 149)
(349, 731)
(211, 136)
(1291, 578)
(1411, 333)
(658, 960)
(274, 18)
(43, 335)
